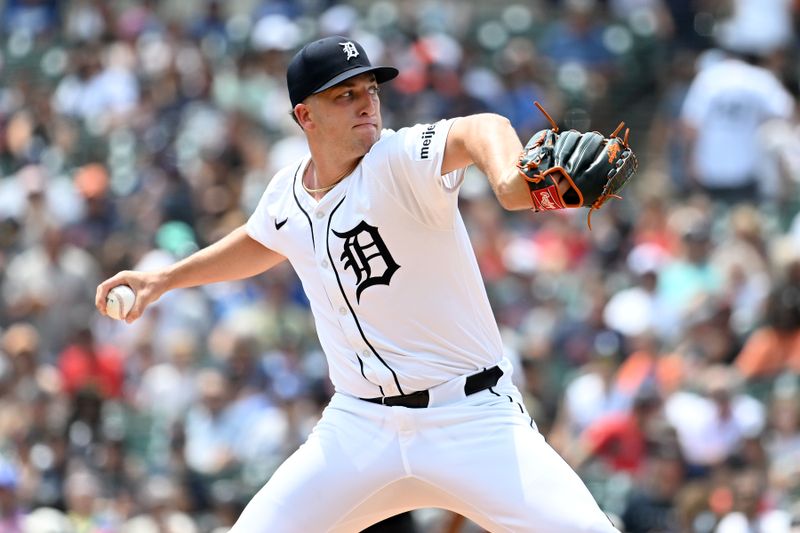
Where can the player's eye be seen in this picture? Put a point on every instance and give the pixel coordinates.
(374, 90)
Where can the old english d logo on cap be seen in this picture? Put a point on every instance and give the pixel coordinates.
(349, 49)
(321, 64)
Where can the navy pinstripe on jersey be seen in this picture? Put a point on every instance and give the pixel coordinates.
(349, 305)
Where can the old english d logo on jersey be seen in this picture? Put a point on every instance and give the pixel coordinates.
(367, 254)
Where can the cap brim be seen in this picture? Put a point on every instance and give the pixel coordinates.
(382, 74)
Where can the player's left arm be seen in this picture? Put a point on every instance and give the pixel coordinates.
(553, 171)
(489, 142)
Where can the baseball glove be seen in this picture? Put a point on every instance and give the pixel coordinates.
(594, 167)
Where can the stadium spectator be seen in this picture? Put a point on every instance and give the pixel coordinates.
(132, 133)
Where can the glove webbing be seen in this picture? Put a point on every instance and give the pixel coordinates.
(611, 175)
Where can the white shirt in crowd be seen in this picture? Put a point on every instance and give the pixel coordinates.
(707, 438)
(726, 103)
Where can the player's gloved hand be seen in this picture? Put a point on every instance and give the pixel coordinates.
(594, 167)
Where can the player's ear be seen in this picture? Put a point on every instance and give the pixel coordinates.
(302, 113)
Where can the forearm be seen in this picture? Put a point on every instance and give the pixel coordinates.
(236, 256)
(490, 142)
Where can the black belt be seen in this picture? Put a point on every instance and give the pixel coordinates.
(475, 383)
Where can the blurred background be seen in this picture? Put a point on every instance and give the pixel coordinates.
(659, 353)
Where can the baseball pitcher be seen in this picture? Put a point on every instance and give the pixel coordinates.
(424, 412)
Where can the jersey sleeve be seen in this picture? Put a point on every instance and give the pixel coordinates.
(258, 226)
(261, 225)
(413, 159)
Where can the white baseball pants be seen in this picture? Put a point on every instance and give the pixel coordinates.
(478, 456)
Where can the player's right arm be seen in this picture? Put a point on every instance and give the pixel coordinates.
(236, 256)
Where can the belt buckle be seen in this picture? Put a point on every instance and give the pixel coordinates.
(383, 400)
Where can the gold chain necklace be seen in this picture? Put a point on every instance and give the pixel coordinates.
(335, 182)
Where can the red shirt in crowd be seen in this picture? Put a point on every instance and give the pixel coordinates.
(101, 370)
(618, 440)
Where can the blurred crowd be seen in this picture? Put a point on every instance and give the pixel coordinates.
(659, 352)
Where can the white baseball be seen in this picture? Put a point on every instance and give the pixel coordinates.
(119, 302)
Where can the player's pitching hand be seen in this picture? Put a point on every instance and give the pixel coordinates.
(147, 286)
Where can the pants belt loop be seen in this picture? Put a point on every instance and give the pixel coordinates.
(448, 392)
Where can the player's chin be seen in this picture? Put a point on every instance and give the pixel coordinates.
(365, 138)
(367, 131)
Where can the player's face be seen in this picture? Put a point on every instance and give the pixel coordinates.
(348, 114)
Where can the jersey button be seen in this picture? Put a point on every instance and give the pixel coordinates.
(342, 310)
(366, 353)
(324, 263)
(320, 214)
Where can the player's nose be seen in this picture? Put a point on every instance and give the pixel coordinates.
(368, 105)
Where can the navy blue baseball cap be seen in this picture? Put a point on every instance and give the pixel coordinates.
(321, 64)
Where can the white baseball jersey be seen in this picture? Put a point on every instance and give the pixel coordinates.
(727, 102)
(387, 264)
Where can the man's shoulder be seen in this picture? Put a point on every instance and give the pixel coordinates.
(414, 140)
(422, 129)
(384, 146)
(283, 179)
(387, 136)
(280, 187)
